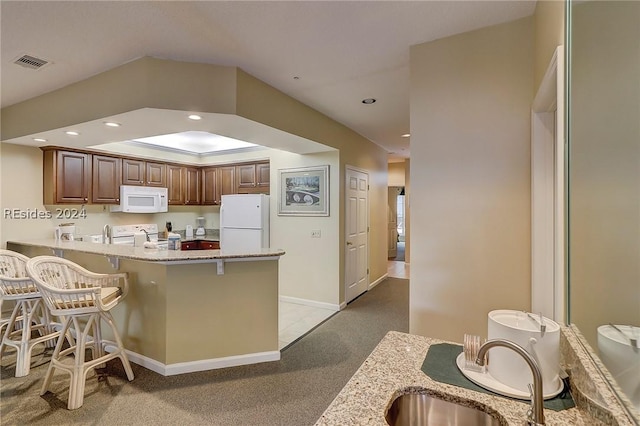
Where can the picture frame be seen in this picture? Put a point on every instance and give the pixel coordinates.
(304, 191)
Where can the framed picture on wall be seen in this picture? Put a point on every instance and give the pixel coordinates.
(304, 191)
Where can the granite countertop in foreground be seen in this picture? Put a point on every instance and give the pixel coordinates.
(145, 254)
(394, 368)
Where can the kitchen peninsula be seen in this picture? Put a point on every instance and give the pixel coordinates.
(186, 310)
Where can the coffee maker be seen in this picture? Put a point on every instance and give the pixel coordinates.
(200, 222)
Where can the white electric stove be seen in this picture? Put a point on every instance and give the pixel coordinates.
(124, 234)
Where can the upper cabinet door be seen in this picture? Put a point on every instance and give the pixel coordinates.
(192, 185)
(246, 176)
(133, 172)
(107, 175)
(175, 183)
(253, 178)
(263, 177)
(227, 181)
(210, 186)
(146, 173)
(156, 174)
(71, 174)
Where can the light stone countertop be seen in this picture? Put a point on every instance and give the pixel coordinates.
(394, 368)
(149, 255)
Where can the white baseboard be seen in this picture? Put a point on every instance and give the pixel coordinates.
(202, 365)
(307, 302)
(343, 305)
(378, 281)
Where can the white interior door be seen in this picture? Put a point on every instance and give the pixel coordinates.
(357, 233)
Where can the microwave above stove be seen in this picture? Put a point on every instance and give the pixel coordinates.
(142, 199)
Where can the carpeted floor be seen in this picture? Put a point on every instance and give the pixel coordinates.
(293, 391)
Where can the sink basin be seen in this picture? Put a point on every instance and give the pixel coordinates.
(420, 409)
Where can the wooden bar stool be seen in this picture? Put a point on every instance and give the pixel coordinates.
(84, 299)
(29, 314)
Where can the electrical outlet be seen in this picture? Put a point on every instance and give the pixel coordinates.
(315, 233)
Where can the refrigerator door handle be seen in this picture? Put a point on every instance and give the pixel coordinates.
(221, 216)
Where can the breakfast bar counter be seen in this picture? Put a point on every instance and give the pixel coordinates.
(124, 251)
(186, 310)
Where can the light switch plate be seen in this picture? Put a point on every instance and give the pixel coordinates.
(315, 233)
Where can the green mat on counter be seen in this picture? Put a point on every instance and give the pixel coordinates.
(440, 365)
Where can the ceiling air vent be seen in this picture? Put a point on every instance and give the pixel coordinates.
(32, 62)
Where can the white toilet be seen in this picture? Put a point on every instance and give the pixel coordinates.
(621, 359)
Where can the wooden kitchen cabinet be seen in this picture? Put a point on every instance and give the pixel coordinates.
(263, 177)
(227, 181)
(183, 185)
(79, 177)
(210, 186)
(216, 182)
(146, 173)
(189, 245)
(191, 185)
(209, 245)
(253, 178)
(156, 174)
(67, 177)
(106, 179)
(200, 245)
(175, 184)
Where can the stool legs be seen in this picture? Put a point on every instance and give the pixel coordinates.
(28, 310)
(80, 367)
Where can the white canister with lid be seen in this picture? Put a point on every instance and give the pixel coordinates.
(173, 241)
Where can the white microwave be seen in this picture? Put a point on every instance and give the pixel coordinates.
(142, 199)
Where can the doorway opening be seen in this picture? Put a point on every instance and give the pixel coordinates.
(396, 237)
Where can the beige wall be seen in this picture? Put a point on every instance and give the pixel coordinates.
(262, 103)
(310, 269)
(605, 166)
(548, 21)
(470, 240)
(396, 174)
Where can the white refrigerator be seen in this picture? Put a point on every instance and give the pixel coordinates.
(244, 222)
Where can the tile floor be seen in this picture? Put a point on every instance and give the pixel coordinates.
(398, 269)
(295, 320)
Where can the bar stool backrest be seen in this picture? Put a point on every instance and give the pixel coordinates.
(14, 281)
(68, 288)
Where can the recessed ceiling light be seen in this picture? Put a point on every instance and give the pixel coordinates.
(406, 135)
(368, 101)
(111, 124)
(39, 139)
(195, 117)
(72, 133)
